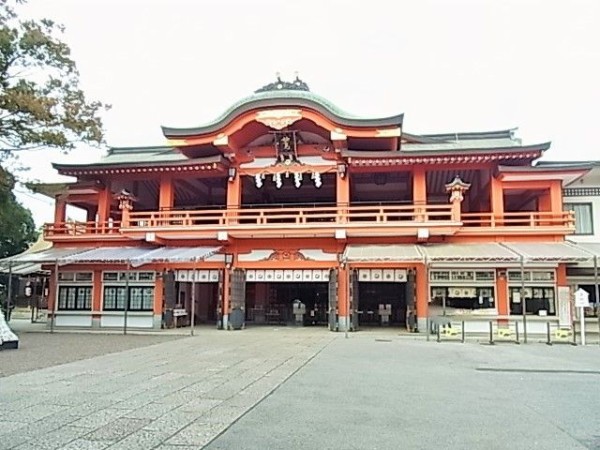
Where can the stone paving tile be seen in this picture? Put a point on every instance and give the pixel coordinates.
(11, 440)
(7, 427)
(35, 430)
(141, 440)
(87, 407)
(197, 433)
(220, 393)
(245, 398)
(100, 418)
(117, 429)
(199, 388)
(200, 405)
(53, 422)
(176, 399)
(177, 447)
(150, 411)
(33, 413)
(134, 402)
(54, 439)
(84, 444)
(173, 421)
(223, 414)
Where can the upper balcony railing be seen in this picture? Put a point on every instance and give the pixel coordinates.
(533, 220)
(304, 219)
(295, 216)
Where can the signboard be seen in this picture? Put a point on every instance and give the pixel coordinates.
(516, 298)
(564, 307)
(582, 298)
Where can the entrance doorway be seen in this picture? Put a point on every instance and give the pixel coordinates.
(278, 303)
(382, 304)
(205, 295)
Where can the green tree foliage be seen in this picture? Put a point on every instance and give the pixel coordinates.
(17, 229)
(41, 104)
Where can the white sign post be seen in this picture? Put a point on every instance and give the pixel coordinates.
(582, 300)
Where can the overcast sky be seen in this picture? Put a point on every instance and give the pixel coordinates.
(449, 65)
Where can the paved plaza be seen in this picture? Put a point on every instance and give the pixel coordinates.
(284, 388)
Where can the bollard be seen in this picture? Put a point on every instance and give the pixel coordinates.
(439, 339)
(427, 327)
(491, 333)
(574, 334)
(549, 342)
(462, 332)
(517, 332)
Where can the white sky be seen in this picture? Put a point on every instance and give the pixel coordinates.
(449, 65)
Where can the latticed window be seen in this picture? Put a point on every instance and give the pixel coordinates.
(75, 298)
(141, 298)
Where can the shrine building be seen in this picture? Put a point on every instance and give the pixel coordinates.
(287, 210)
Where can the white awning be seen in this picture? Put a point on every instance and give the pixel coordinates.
(387, 253)
(593, 248)
(108, 255)
(175, 255)
(22, 268)
(551, 252)
(46, 256)
(27, 269)
(469, 253)
(138, 256)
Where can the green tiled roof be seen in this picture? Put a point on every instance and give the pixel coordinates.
(118, 155)
(284, 98)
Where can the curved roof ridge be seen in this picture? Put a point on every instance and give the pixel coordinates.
(284, 98)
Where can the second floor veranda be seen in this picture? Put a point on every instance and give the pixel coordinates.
(413, 202)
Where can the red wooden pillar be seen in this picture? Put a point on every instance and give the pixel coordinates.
(166, 193)
(104, 203)
(561, 275)
(97, 291)
(556, 200)
(502, 294)
(60, 210)
(420, 193)
(497, 201)
(342, 195)
(234, 196)
(159, 290)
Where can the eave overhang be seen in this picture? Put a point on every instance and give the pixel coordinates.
(565, 175)
(211, 163)
(454, 156)
(50, 190)
(462, 136)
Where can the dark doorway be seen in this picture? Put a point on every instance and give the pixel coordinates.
(272, 303)
(376, 298)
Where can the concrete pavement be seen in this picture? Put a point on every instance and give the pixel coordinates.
(391, 393)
